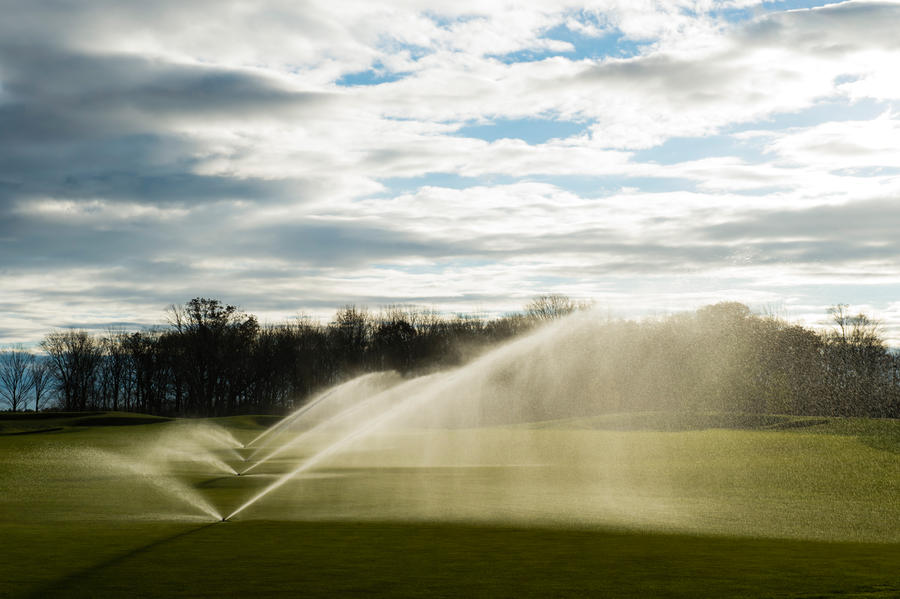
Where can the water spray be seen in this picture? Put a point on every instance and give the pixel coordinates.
(289, 419)
(296, 440)
(343, 442)
(369, 383)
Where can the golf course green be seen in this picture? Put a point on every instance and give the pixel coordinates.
(649, 505)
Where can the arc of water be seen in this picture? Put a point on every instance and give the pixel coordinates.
(233, 452)
(333, 448)
(216, 434)
(164, 482)
(291, 418)
(178, 489)
(227, 442)
(343, 414)
(197, 457)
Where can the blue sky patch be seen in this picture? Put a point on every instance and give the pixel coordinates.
(612, 45)
(683, 149)
(588, 186)
(401, 185)
(737, 15)
(872, 171)
(822, 112)
(373, 76)
(532, 131)
(780, 5)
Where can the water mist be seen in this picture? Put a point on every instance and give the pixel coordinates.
(584, 422)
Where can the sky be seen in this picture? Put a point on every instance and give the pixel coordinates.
(293, 157)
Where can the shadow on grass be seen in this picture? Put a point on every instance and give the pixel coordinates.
(63, 586)
(45, 415)
(108, 420)
(419, 559)
(33, 432)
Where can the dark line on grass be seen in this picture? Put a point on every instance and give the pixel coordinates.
(65, 584)
(45, 415)
(119, 421)
(34, 432)
(797, 424)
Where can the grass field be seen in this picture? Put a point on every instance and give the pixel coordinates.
(644, 505)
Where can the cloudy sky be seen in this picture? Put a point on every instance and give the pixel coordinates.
(286, 156)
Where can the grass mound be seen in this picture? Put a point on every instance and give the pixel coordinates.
(25, 416)
(17, 423)
(32, 431)
(247, 421)
(118, 419)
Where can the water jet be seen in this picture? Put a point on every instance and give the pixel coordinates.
(388, 410)
(347, 392)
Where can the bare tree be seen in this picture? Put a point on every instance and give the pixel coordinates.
(859, 329)
(392, 340)
(113, 366)
(213, 341)
(41, 378)
(840, 317)
(858, 365)
(74, 356)
(14, 380)
(550, 307)
(350, 335)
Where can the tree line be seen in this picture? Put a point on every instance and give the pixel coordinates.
(213, 359)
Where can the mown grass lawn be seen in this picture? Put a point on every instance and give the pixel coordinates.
(810, 511)
(327, 559)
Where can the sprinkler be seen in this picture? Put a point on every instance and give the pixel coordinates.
(224, 520)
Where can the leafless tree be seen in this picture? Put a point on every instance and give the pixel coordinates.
(858, 329)
(112, 370)
(41, 377)
(350, 335)
(550, 306)
(74, 356)
(213, 342)
(14, 380)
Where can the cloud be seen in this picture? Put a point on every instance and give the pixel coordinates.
(868, 226)
(870, 144)
(153, 153)
(102, 93)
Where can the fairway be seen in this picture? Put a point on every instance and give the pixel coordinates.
(113, 505)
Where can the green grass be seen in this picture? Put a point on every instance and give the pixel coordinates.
(264, 558)
(559, 509)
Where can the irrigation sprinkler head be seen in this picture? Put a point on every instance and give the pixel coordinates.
(237, 473)
(224, 520)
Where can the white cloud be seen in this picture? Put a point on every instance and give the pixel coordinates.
(832, 146)
(97, 212)
(211, 146)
